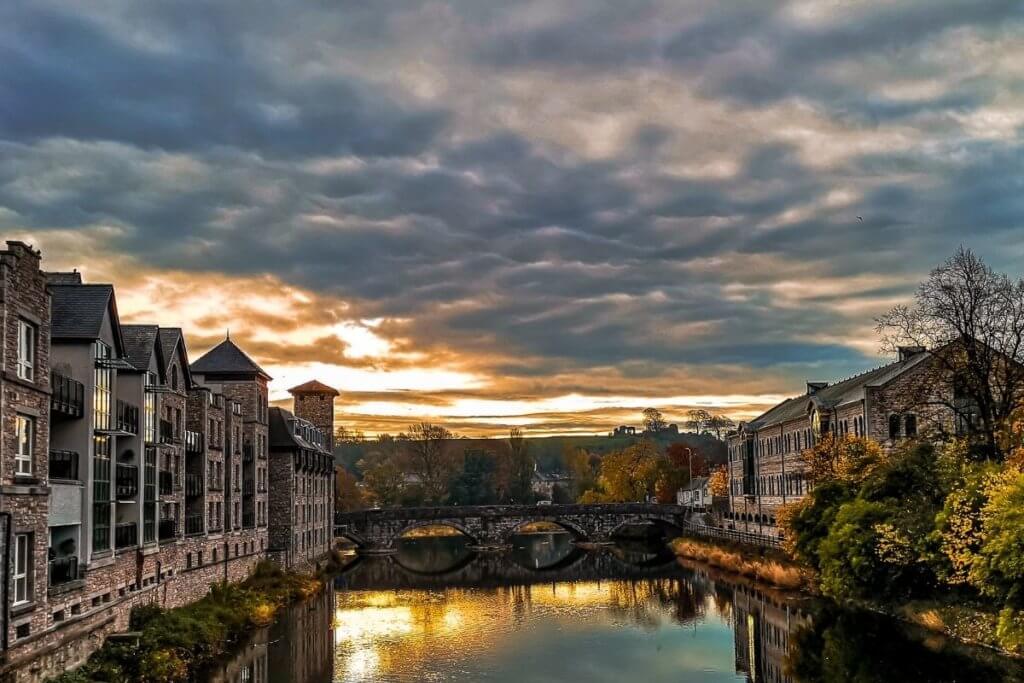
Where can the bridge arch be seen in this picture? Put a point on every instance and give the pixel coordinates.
(451, 524)
(668, 527)
(578, 532)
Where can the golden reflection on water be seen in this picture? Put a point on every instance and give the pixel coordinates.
(403, 635)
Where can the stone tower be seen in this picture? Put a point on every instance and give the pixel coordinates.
(314, 401)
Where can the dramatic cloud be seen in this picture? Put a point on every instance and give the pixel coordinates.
(546, 213)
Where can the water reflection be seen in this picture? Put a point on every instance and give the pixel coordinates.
(547, 612)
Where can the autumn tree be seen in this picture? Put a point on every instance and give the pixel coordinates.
(629, 475)
(970, 321)
(521, 467)
(347, 494)
(719, 424)
(718, 482)
(653, 420)
(582, 466)
(428, 455)
(846, 458)
(383, 477)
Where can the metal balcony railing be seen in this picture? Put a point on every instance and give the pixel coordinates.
(193, 484)
(127, 417)
(63, 569)
(166, 482)
(193, 525)
(64, 465)
(193, 442)
(127, 482)
(168, 529)
(126, 535)
(68, 395)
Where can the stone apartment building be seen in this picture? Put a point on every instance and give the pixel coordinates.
(764, 465)
(302, 468)
(128, 475)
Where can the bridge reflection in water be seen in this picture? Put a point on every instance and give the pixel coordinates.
(548, 611)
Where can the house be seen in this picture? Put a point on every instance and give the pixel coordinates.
(696, 494)
(543, 483)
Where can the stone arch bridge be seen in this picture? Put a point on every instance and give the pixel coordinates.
(493, 525)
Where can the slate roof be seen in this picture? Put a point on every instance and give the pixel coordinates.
(281, 423)
(170, 338)
(314, 387)
(841, 393)
(227, 358)
(77, 312)
(696, 484)
(139, 342)
(64, 278)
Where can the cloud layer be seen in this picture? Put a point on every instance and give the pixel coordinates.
(547, 213)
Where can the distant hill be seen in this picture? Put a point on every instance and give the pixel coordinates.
(548, 449)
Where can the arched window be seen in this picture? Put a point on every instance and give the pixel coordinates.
(894, 427)
(910, 425)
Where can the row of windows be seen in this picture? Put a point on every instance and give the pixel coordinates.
(793, 484)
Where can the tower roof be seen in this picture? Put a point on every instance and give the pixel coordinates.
(226, 358)
(313, 387)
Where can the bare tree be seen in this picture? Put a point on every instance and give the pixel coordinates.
(719, 424)
(429, 458)
(653, 420)
(697, 420)
(970, 320)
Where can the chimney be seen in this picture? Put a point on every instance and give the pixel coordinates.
(314, 401)
(814, 387)
(908, 352)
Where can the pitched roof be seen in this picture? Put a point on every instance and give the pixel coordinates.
(846, 391)
(227, 358)
(139, 343)
(171, 339)
(77, 312)
(313, 387)
(695, 484)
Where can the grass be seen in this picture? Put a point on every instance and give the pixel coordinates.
(759, 564)
(174, 645)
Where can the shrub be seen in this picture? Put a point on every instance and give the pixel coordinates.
(998, 568)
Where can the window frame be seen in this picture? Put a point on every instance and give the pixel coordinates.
(24, 423)
(22, 577)
(28, 338)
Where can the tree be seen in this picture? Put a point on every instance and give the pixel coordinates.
(970, 320)
(697, 420)
(653, 421)
(383, 477)
(582, 467)
(719, 424)
(718, 482)
(475, 485)
(521, 467)
(430, 459)
(847, 458)
(347, 494)
(629, 475)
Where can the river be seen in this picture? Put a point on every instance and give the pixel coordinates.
(548, 612)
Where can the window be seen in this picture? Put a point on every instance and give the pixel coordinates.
(102, 390)
(894, 427)
(24, 434)
(910, 425)
(22, 568)
(26, 350)
(149, 408)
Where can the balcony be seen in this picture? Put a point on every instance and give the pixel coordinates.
(68, 396)
(166, 432)
(127, 482)
(248, 519)
(193, 525)
(193, 485)
(193, 442)
(63, 570)
(126, 535)
(168, 529)
(64, 465)
(127, 417)
(247, 452)
(166, 482)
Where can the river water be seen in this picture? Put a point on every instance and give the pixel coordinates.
(548, 612)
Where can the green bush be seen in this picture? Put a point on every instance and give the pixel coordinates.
(998, 569)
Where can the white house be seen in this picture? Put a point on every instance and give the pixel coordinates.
(695, 494)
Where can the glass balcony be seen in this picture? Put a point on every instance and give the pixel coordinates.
(127, 417)
(67, 397)
(193, 442)
(64, 465)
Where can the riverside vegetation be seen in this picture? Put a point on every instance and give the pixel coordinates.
(176, 644)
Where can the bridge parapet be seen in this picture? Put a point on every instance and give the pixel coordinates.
(379, 530)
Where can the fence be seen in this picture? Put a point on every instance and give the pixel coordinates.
(743, 537)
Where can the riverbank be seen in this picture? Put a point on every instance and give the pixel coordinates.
(762, 564)
(966, 621)
(163, 646)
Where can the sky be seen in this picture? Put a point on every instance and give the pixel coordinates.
(545, 214)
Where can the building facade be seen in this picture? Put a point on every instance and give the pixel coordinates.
(302, 468)
(765, 468)
(128, 475)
